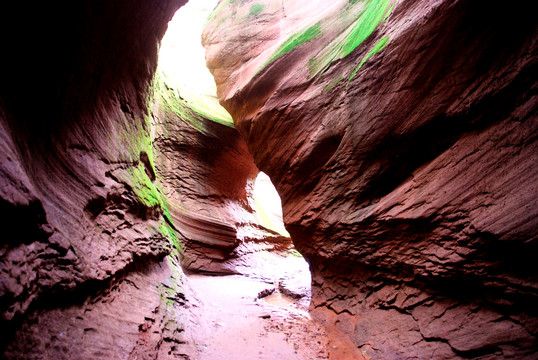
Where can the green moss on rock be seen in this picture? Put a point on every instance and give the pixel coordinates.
(295, 41)
(193, 111)
(380, 45)
(256, 9)
(372, 13)
(375, 11)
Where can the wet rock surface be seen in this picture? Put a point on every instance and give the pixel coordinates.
(401, 137)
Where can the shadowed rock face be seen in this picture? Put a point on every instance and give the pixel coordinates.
(104, 190)
(83, 254)
(401, 136)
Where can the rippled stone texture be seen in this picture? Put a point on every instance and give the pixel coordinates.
(85, 237)
(106, 184)
(207, 175)
(401, 136)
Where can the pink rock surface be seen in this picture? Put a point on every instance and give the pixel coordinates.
(98, 187)
(408, 175)
(207, 175)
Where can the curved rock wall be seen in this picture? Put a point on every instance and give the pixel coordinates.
(207, 175)
(401, 136)
(84, 272)
(108, 180)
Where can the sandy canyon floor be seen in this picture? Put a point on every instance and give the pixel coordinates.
(259, 316)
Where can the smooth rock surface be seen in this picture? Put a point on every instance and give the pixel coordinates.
(401, 137)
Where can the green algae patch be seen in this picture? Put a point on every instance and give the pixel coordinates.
(380, 45)
(170, 233)
(370, 14)
(294, 41)
(206, 107)
(192, 111)
(151, 196)
(139, 174)
(144, 188)
(169, 99)
(256, 9)
(373, 14)
(172, 289)
(333, 83)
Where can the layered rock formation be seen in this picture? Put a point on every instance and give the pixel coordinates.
(207, 175)
(108, 181)
(201, 163)
(84, 266)
(401, 136)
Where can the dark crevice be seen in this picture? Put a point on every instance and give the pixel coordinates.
(475, 353)
(95, 206)
(144, 159)
(126, 201)
(27, 224)
(507, 256)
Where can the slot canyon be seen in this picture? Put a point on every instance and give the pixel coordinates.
(400, 135)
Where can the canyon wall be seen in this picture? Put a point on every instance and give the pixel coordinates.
(207, 174)
(401, 137)
(110, 186)
(85, 271)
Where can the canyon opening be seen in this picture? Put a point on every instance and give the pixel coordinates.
(252, 286)
(396, 139)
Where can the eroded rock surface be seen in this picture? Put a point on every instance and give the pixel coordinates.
(401, 136)
(106, 185)
(140, 315)
(85, 237)
(207, 175)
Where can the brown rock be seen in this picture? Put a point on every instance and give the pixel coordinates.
(207, 174)
(98, 187)
(83, 251)
(406, 167)
(126, 320)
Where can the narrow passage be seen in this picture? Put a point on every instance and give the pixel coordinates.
(237, 320)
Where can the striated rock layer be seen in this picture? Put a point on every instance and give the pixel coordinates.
(84, 269)
(207, 174)
(108, 182)
(401, 137)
